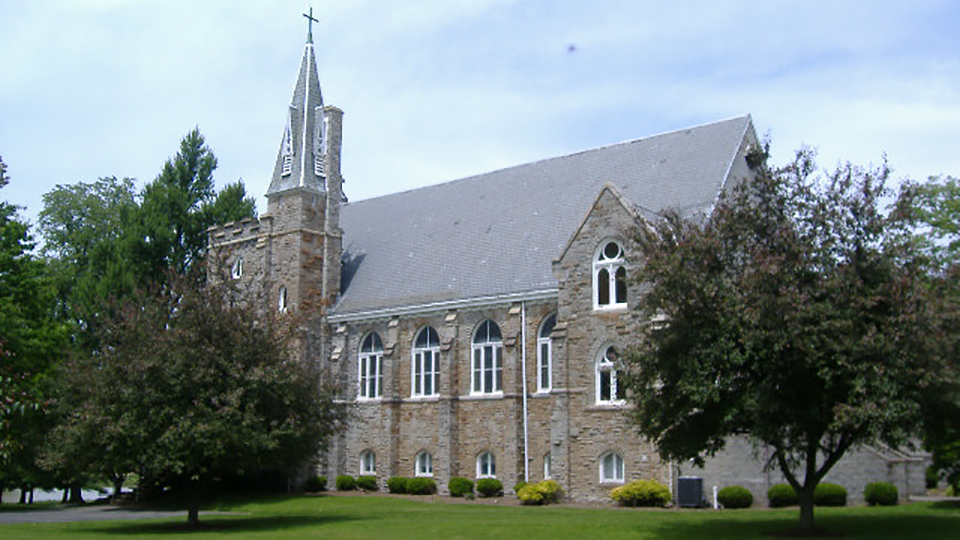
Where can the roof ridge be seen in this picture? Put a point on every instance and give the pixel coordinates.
(745, 117)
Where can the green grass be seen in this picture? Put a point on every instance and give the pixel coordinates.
(386, 518)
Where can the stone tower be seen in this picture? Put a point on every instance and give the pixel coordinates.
(289, 258)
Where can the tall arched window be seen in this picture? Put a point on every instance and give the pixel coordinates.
(486, 465)
(282, 299)
(426, 363)
(368, 463)
(370, 367)
(236, 271)
(545, 354)
(609, 389)
(487, 373)
(609, 277)
(424, 464)
(611, 468)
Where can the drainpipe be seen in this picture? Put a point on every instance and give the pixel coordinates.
(523, 369)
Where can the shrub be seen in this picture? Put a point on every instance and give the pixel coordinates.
(735, 497)
(881, 494)
(489, 487)
(345, 482)
(421, 486)
(460, 486)
(368, 483)
(932, 477)
(397, 484)
(316, 484)
(545, 492)
(781, 495)
(827, 494)
(518, 486)
(641, 493)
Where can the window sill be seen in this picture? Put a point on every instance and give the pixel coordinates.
(423, 399)
(610, 406)
(612, 308)
(481, 397)
(369, 399)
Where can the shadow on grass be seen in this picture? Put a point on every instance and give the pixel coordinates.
(219, 525)
(874, 527)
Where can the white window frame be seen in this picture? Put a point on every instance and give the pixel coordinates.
(368, 463)
(370, 368)
(486, 373)
(611, 462)
(606, 370)
(236, 271)
(545, 354)
(486, 465)
(609, 271)
(282, 299)
(547, 466)
(423, 375)
(423, 464)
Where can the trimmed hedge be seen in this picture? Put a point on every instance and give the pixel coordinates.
(545, 492)
(397, 484)
(316, 484)
(881, 494)
(642, 493)
(345, 482)
(460, 486)
(420, 485)
(489, 487)
(827, 494)
(735, 497)
(781, 495)
(368, 483)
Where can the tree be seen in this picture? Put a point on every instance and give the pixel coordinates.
(190, 385)
(934, 208)
(797, 315)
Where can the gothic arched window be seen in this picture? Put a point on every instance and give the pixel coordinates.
(545, 354)
(487, 373)
(426, 363)
(370, 367)
(609, 389)
(609, 277)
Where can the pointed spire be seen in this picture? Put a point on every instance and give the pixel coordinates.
(301, 159)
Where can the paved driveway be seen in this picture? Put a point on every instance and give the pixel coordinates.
(85, 513)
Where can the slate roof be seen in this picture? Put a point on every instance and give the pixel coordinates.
(496, 234)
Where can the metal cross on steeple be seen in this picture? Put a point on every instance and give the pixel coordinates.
(310, 22)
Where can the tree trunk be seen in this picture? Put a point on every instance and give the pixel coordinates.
(66, 495)
(76, 494)
(117, 487)
(806, 508)
(193, 510)
(23, 494)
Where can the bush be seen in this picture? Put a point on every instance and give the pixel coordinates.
(881, 494)
(545, 492)
(397, 484)
(735, 497)
(932, 477)
(368, 483)
(518, 486)
(827, 494)
(345, 482)
(641, 493)
(316, 484)
(460, 486)
(421, 486)
(489, 487)
(781, 495)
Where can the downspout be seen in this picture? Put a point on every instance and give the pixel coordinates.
(523, 369)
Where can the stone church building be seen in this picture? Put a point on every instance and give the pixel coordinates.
(473, 326)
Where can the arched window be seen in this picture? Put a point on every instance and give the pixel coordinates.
(368, 463)
(424, 464)
(547, 467)
(609, 277)
(611, 468)
(609, 390)
(487, 373)
(545, 354)
(486, 465)
(237, 270)
(370, 367)
(426, 363)
(282, 299)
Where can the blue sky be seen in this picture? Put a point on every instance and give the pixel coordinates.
(435, 90)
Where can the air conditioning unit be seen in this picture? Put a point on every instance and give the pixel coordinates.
(690, 492)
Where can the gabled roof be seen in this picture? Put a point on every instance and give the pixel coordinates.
(495, 235)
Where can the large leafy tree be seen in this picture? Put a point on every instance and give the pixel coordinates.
(796, 315)
(190, 385)
(934, 208)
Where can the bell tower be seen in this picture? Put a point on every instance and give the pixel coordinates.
(302, 224)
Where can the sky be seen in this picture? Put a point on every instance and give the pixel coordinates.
(436, 90)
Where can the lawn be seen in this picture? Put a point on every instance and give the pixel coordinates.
(388, 518)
